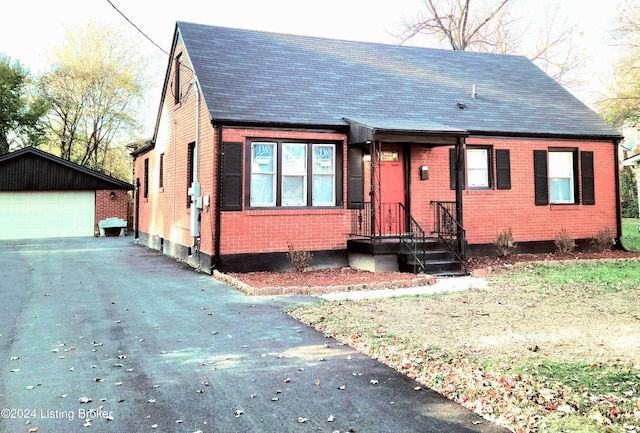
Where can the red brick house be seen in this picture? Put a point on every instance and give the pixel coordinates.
(372, 155)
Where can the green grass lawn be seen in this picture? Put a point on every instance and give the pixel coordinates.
(431, 339)
(630, 233)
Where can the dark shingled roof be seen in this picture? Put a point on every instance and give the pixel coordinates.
(260, 77)
(30, 169)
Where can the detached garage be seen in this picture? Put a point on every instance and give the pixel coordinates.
(43, 196)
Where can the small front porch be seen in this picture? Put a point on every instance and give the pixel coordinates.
(385, 235)
(398, 243)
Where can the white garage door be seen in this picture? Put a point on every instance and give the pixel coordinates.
(49, 214)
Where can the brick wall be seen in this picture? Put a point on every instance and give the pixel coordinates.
(259, 230)
(489, 212)
(107, 207)
(164, 212)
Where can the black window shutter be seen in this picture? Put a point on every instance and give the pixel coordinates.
(232, 177)
(503, 169)
(355, 178)
(541, 177)
(453, 176)
(588, 182)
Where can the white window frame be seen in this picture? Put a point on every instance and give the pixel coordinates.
(561, 167)
(297, 170)
(332, 174)
(273, 173)
(478, 167)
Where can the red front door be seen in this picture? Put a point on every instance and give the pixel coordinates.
(392, 187)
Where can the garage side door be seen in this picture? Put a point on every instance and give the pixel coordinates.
(46, 214)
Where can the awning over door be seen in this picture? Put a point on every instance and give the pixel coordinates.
(391, 130)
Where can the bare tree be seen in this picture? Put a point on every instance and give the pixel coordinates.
(622, 105)
(457, 24)
(494, 26)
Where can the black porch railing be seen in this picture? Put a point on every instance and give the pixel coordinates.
(386, 220)
(449, 230)
(382, 221)
(391, 221)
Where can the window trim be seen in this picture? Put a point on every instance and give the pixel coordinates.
(145, 190)
(161, 171)
(274, 173)
(177, 79)
(489, 167)
(279, 142)
(575, 181)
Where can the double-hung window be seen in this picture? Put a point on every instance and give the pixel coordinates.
(263, 174)
(293, 174)
(561, 177)
(564, 176)
(478, 167)
(479, 163)
(324, 175)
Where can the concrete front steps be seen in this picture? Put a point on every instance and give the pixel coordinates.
(391, 255)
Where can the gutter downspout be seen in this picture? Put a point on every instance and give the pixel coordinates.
(218, 211)
(195, 186)
(616, 152)
(460, 171)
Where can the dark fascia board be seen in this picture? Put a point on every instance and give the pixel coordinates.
(544, 136)
(338, 128)
(118, 184)
(143, 149)
(167, 75)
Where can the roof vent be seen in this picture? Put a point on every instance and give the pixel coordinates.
(474, 91)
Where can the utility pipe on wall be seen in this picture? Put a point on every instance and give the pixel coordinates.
(195, 185)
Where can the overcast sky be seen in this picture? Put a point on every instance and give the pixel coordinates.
(31, 28)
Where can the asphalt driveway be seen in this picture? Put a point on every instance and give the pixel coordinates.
(102, 335)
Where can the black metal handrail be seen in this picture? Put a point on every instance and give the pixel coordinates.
(414, 239)
(449, 230)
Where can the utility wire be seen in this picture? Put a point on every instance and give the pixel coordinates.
(137, 28)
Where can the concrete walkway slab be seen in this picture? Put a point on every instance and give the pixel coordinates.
(443, 285)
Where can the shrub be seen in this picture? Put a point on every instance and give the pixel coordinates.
(300, 260)
(565, 244)
(604, 239)
(505, 243)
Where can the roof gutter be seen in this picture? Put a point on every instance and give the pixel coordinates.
(589, 137)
